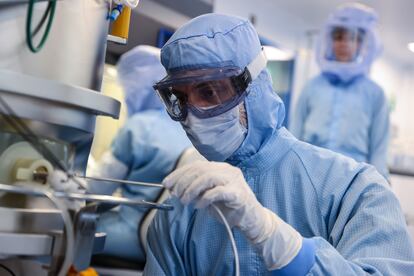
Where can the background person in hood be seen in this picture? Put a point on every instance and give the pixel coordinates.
(145, 149)
(342, 109)
(294, 208)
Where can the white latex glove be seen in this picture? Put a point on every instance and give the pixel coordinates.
(59, 181)
(205, 183)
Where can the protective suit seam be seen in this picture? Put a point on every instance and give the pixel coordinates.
(187, 235)
(150, 249)
(310, 178)
(257, 171)
(243, 23)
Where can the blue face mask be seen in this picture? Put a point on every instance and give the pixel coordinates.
(216, 138)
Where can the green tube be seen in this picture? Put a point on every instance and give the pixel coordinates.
(29, 35)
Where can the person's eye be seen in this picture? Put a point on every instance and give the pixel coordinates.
(209, 96)
(207, 92)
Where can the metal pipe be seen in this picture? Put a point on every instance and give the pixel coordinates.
(88, 197)
(129, 182)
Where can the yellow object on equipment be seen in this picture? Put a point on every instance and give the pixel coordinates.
(120, 27)
(88, 272)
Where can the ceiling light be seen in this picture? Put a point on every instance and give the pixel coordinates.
(273, 53)
(410, 46)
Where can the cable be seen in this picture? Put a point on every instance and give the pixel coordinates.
(231, 237)
(50, 13)
(42, 20)
(8, 270)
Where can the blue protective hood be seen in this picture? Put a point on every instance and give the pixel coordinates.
(213, 39)
(352, 16)
(138, 70)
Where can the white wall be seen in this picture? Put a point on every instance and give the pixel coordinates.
(162, 14)
(403, 188)
(271, 22)
(398, 84)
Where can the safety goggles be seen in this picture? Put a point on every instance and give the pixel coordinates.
(207, 91)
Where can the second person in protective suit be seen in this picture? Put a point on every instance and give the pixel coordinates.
(146, 149)
(342, 109)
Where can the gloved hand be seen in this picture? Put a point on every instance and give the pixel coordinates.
(59, 181)
(205, 183)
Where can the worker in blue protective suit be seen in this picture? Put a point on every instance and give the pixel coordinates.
(145, 149)
(342, 109)
(294, 208)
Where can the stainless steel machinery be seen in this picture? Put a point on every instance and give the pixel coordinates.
(55, 94)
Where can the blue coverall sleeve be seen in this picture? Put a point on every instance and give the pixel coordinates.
(107, 167)
(379, 136)
(165, 234)
(300, 113)
(122, 145)
(152, 266)
(366, 233)
(118, 162)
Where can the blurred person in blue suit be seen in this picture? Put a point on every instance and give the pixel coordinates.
(146, 149)
(342, 109)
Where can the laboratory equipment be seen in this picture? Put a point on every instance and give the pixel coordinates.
(49, 103)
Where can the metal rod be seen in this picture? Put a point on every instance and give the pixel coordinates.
(138, 183)
(88, 197)
(113, 200)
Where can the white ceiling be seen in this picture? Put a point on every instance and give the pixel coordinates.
(396, 19)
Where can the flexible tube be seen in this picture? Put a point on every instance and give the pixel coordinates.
(231, 237)
(50, 13)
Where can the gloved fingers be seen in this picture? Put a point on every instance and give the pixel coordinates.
(198, 187)
(58, 180)
(173, 178)
(178, 181)
(185, 181)
(57, 176)
(216, 194)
